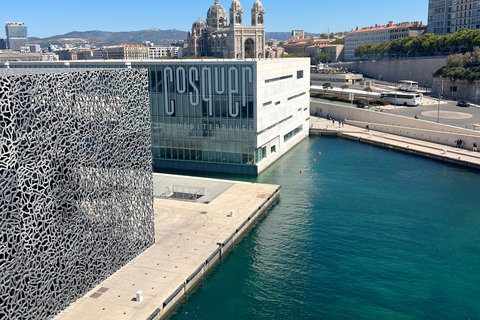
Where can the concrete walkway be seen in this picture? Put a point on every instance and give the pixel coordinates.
(459, 156)
(189, 237)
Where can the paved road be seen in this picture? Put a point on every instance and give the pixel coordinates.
(450, 113)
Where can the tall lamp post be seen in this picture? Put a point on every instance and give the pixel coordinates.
(476, 93)
(439, 97)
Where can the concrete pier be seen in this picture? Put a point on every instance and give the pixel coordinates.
(190, 236)
(459, 156)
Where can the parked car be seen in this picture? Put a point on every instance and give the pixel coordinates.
(463, 104)
(362, 104)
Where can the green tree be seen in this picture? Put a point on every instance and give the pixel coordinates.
(343, 87)
(339, 41)
(367, 90)
(326, 85)
(323, 57)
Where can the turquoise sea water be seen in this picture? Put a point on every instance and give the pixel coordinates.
(362, 233)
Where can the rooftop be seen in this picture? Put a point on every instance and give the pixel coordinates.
(390, 26)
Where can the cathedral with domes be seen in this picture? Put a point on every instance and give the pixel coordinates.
(215, 37)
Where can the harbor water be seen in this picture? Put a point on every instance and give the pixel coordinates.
(362, 233)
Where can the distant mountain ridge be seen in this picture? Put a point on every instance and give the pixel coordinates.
(158, 37)
(97, 37)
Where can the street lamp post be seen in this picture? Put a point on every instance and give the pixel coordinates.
(476, 93)
(439, 97)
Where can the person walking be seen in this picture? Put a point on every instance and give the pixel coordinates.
(475, 146)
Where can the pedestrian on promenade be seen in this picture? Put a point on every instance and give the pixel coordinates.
(368, 127)
(343, 123)
(416, 117)
(328, 116)
(475, 146)
(333, 121)
(339, 123)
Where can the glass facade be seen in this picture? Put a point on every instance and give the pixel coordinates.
(16, 33)
(203, 113)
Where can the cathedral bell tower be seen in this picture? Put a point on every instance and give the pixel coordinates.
(236, 14)
(258, 14)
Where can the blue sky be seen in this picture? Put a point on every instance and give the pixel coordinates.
(46, 18)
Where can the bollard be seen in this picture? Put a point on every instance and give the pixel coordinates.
(139, 296)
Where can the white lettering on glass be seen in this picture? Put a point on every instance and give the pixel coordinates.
(207, 73)
(232, 88)
(191, 73)
(169, 107)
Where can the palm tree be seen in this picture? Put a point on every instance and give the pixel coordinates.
(343, 87)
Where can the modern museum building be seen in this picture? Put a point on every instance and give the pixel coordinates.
(235, 116)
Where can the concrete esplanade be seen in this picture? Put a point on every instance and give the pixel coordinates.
(415, 136)
(191, 234)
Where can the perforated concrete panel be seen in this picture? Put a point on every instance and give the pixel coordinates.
(76, 191)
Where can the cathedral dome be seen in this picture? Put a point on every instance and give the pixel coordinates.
(216, 16)
(198, 26)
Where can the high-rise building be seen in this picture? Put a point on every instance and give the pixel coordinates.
(450, 16)
(437, 16)
(16, 35)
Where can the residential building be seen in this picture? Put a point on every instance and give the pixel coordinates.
(158, 52)
(3, 44)
(77, 191)
(86, 54)
(295, 46)
(235, 116)
(35, 48)
(297, 34)
(66, 54)
(126, 52)
(336, 51)
(217, 38)
(448, 16)
(49, 56)
(16, 33)
(438, 16)
(378, 34)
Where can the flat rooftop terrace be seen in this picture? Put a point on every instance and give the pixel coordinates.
(190, 235)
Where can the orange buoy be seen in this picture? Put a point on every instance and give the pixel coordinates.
(301, 170)
(319, 153)
(314, 160)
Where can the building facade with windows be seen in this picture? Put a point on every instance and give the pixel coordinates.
(236, 116)
(378, 34)
(126, 52)
(448, 16)
(437, 16)
(16, 33)
(218, 38)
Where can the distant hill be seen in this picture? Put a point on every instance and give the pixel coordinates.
(285, 35)
(160, 37)
(106, 38)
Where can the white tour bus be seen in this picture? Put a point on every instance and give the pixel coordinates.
(406, 99)
(407, 85)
